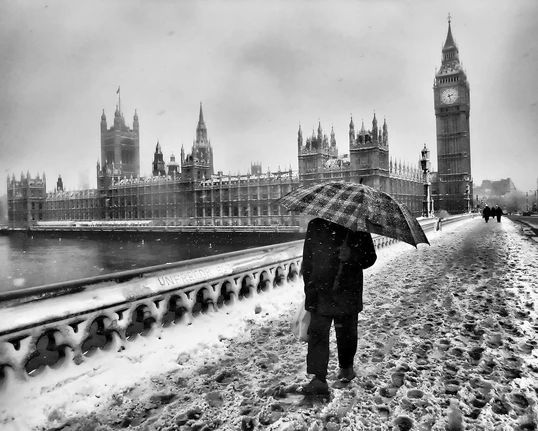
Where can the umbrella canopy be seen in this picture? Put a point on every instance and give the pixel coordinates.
(357, 207)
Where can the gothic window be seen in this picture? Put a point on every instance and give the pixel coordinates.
(126, 156)
(454, 124)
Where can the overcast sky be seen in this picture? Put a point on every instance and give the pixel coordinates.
(260, 69)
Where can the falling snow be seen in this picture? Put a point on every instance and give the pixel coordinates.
(447, 341)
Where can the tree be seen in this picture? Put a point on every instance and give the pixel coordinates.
(512, 202)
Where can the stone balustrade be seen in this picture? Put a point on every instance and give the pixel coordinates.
(70, 322)
(49, 325)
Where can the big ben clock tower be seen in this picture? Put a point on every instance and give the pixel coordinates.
(452, 107)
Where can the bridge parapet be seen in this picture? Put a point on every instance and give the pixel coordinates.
(48, 326)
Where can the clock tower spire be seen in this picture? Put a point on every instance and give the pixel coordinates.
(452, 108)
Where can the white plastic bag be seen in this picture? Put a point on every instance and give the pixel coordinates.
(300, 323)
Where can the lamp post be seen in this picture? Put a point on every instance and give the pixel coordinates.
(427, 204)
(467, 180)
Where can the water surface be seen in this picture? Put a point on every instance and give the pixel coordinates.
(27, 261)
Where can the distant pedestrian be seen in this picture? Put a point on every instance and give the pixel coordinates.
(498, 213)
(486, 212)
(333, 260)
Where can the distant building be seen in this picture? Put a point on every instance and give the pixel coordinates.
(120, 145)
(495, 188)
(198, 165)
(189, 193)
(185, 193)
(453, 189)
(3, 210)
(255, 168)
(26, 200)
(59, 184)
(367, 162)
(159, 168)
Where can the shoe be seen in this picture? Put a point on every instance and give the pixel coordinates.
(346, 374)
(316, 387)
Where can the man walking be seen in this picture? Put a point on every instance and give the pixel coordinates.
(498, 212)
(333, 260)
(486, 213)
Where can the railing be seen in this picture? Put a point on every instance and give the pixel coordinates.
(49, 325)
(165, 228)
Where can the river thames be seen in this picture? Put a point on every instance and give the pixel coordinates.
(27, 261)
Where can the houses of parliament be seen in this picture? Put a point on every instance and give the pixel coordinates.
(189, 192)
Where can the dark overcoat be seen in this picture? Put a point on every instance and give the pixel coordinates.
(320, 267)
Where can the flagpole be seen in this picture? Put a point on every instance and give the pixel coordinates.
(119, 98)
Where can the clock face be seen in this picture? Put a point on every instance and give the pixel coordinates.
(449, 95)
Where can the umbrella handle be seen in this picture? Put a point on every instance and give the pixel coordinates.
(336, 283)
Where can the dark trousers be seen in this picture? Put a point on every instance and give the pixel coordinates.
(317, 358)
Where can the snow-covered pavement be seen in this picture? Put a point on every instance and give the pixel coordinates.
(447, 341)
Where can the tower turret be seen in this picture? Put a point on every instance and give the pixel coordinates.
(450, 49)
(385, 132)
(103, 122)
(59, 184)
(201, 129)
(374, 129)
(368, 157)
(452, 110)
(299, 138)
(158, 161)
(120, 145)
(118, 118)
(173, 166)
(199, 163)
(362, 133)
(351, 132)
(135, 122)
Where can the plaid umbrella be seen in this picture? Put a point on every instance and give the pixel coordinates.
(357, 207)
